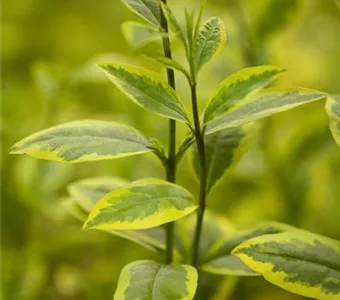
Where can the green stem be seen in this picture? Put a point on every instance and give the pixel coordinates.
(199, 134)
(171, 162)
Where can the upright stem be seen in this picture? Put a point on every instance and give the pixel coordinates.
(203, 175)
(171, 163)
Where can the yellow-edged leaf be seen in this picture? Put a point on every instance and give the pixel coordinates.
(82, 141)
(142, 204)
(150, 280)
(300, 262)
(237, 87)
(264, 104)
(223, 263)
(147, 90)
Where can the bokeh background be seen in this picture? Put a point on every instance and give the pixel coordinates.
(290, 173)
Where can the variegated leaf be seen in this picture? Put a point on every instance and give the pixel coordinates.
(149, 10)
(147, 90)
(88, 191)
(82, 141)
(142, 204)
(150, 280)
(222, 262)
(300, 262)
(264, 104)
(237, 87)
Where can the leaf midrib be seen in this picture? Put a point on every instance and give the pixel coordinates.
(58, 137)
(180, 113)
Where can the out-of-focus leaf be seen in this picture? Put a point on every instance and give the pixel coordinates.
(88, 191)
(142, 204)
(210, 38)
(337, 2)
(82, 141)
(139, 34)
(223, 150)
(333, 111)
(264, 104)
(214, 231)
(149, 10)
(48, 78)
(222, 262)
(300, 262)
(237, 87)
(147, 279)
(275, 16)
(147, 90)
(167, 62)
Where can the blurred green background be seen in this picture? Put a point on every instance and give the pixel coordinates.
(49, 49)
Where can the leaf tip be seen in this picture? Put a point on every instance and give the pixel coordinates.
(87, 226)
(14, 149)
(104, 66)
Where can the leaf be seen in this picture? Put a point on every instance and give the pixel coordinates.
(88, 191)
(264, 104)
(223, 263)
(139, 34)
(82, 141)
(211, 37)
(167, 62)
(274, 16)
(142, 204)
(237, 86)
(143, 87)
(150, 280)
(149, 10)
(333, 112)
(223, 150)
(300, 262)
(49, 79)
(175, 26)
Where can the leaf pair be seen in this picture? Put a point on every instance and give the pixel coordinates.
(238, 101)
